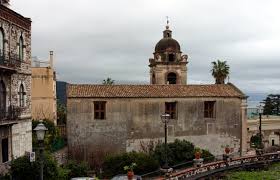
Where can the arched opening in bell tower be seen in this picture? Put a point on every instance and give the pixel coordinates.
(171, 78)
(171, 57)
(153, 79)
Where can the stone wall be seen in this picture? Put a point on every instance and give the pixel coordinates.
(132, 120)
(13, 29)
(21, 138)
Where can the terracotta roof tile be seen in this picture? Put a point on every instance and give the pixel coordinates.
(152, 91)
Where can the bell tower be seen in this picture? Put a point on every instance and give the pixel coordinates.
(168, 66)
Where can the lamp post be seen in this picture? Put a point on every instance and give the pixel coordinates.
(40, 132)
(165, 119)
(260, 111)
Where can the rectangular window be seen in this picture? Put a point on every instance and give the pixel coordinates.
(209, 109)
(170, 108)
(99, 109)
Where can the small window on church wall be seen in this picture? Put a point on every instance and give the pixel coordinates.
(21, 93)
(171, 78)
(99, 109)
(209, 109)
(1, 43)
(20, 49)
(171, 57)
(170, 108)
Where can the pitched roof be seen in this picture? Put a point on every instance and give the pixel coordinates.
(152, 91)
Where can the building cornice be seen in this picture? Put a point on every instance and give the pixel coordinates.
(15, 18)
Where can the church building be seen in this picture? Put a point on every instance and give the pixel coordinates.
(122, 118)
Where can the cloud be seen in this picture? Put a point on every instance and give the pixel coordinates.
(95, 39)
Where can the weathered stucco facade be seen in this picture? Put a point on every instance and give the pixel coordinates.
(134, 121)
(44, 91)
(15, 85)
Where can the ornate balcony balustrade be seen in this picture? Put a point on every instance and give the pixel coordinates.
(12, 113)
(11, 62)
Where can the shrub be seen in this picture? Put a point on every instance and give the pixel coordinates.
(207, 156)
(114, 164)
(63, 173)
(23, 169)
(177, 152)
(255, 141)
(76, 169)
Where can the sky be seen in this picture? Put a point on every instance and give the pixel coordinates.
(96, 39)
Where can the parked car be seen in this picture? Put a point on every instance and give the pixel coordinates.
(124, 177)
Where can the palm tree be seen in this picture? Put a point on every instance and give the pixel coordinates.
(220, 71)
(108, 81)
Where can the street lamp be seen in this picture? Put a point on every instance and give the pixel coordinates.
(260, 111)
(40, 132)
(165, 119)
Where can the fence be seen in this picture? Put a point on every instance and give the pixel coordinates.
(219, 166)
(62, 130)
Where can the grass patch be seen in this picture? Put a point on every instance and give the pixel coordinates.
(273, 173)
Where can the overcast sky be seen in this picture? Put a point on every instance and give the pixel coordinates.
(95, 39)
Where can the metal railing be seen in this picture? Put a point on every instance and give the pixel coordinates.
(12, 61)
(206, 170)
(10, 113)
(62, 130)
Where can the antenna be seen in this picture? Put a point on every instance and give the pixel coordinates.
(167, 22)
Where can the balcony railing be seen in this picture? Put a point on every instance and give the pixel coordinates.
(10, 114)
(11, 62)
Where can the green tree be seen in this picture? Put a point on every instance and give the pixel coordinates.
(61, 113)
(220, 71)
(272, 104)
(108, 81)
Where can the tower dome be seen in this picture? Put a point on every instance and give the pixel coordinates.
(167, 43)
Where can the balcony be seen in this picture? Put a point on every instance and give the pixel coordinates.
(9, 63)
(9, 115)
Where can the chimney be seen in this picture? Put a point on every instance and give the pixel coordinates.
(51, 59)
(5, 3)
